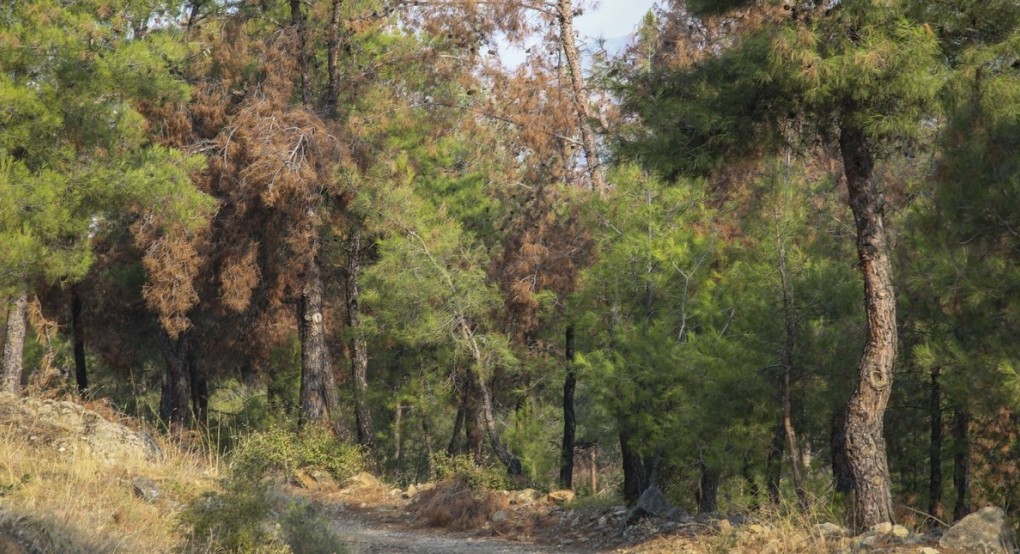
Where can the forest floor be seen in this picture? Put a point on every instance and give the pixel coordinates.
(450, 517)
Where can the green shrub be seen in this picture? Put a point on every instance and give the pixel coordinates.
(464, 468)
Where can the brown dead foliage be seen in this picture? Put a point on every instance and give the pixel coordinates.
(453, 504)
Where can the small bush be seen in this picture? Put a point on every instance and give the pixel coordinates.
(463, 468)
(278, 451)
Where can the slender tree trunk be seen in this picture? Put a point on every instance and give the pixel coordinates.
(359, 346)
(512, 463)
(297, 18)
(565, 12)
(865, 443)
(199, 387)
(78, 332)
(569, 419)
(787, 361)
(935, 446)
(14, 342)
(961, 462)
(454, 448)
(319, 400)
(774, 464)
(708, 490)
(333, 59)
(175, 404)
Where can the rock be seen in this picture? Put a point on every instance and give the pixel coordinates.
(827, 529)
(603, 521)
(928, 550)
(724, 525)
(561, 496)
(900, 532)
(524, 496)
(145, 488)
(883, 528)
(70, 427)
(499, 516)
(985, 531)
(363, 480)
(652, 503)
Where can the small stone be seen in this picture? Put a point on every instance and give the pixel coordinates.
(900, 532)
(499, 516)
(724, 525)
(928, 550)
(828, 529)
(603, 521)
(145, 488)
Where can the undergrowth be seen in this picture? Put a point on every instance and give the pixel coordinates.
(250, 515)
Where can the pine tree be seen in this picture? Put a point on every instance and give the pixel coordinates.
(862, 75)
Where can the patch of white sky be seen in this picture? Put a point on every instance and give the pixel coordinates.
(614, 21)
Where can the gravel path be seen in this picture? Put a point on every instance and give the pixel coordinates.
(363, 537)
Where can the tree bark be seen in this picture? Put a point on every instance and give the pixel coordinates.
(14, 343)
(708, 490)
(319, 400)
(78, 331)
(512, 463)
(569, 418)
(935, 446)
(333, 59)
(774, 464)
(175, 403)
(297, 18)
(865, 443)
(961, 462)
(359, 346)
(841, 474)
(565, 13)
(635, 476)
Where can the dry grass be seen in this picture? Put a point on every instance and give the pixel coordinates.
(453, 504)
(66, 501)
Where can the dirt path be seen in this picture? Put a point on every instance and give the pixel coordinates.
(364, 536)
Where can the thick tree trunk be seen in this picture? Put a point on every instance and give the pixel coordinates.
(175, 403)
(841, 474)
(708, 490)
(635, 476)
(565, 12)
(935, 446)
(14, 343)
(78, 331)
(961, 462)
(569, 418)
(865, 443)
(319, 401)
(358, 345)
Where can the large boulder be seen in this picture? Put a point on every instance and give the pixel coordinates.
(983, 532)
(652, 503)
(70, 427)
